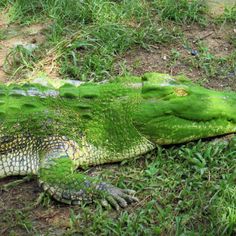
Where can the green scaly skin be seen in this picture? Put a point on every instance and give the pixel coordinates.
(51, 128)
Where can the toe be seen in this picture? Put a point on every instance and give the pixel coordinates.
(129, 198)
(121, 201)
(113, 202)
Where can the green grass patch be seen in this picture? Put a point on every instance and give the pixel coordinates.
(93, 54)
(2, 35)
(212, 65)
(183, 190)
(229, 15)
(106, 29)
(16, 222)
(182, 11)
(20, 60)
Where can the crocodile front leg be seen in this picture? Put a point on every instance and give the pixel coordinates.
(53, 160)
(60, 179)
(65, 184)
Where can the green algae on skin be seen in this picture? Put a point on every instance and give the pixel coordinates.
(165, 109)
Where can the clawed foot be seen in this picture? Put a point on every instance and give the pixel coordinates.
(107, 194)
(116, 197)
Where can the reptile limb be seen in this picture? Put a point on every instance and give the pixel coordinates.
(55, 161)
(60, 179)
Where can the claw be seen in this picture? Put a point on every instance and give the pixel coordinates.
(76, 202)
(113, 202)
(129, 191)
(129, 199)
(117, 197)
(121, 201)
(108, 194)
(105, 203)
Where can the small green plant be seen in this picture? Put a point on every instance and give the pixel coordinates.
(19, 61)
(229, 15)
(2, 35)
(223, 208)
(107, 30)
(174, 57)
(4, 3)
(212, 65)
(18, 219)
(182, 11)
(204, 60)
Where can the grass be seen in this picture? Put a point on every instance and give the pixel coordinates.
(183, 190)
(19, 220)
(229, 15)
(182, 11)
(2, 35)
(19, 61)
(211, 65)
(105, 30)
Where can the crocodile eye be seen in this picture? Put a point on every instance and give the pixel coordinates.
(180, 92)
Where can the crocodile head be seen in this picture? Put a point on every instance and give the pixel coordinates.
(175, 110)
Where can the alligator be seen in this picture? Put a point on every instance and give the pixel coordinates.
(53, 129)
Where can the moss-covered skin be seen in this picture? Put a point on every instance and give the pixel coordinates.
(50, 128)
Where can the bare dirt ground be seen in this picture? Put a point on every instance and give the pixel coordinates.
(158, 58)
(54, 220)
(15, 35)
